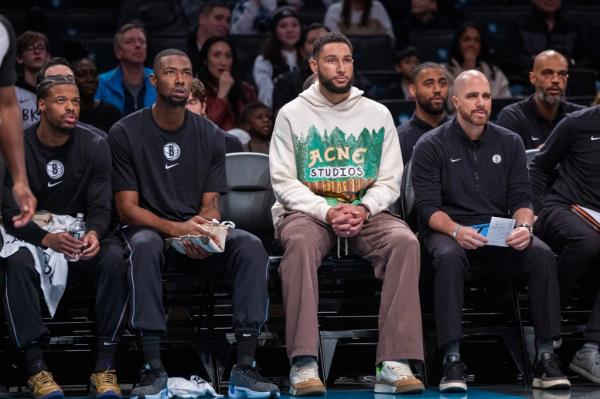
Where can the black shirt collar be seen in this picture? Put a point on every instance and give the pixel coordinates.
(562, 109)
(421, 123)
(458, 130)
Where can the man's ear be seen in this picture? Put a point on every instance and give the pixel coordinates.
(455, 102)
(412, 90)
(532, 78)
(41, 104)
(313, 65)
(153, 79)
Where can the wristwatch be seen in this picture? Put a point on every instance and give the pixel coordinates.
(528, 227)
(368, 219)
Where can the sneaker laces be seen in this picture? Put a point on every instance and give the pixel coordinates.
(43, 378)
(400, 370)
(108, 377)
(148, 376)
(306, 373)
(551, 365)
(253, 373)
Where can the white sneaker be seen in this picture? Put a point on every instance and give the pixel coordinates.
(396, 377)
(305, 381)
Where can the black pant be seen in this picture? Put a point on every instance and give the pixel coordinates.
(244, 257)
(451, 263)
(578, 247)
(21, 297)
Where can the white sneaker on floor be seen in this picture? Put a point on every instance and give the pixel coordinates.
(396, 377)
(305, 381)
(586, 362)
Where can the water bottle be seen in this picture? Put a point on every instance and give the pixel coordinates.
(77, 230)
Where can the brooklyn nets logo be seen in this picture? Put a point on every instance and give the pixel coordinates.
(55, 169)
(171, 151)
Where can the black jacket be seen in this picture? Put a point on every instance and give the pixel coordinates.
(469, 180)
(410, 131)
(575, 146)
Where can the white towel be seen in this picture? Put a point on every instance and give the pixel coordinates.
(195, 387)
(51, 266)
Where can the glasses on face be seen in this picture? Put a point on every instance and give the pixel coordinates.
(38, 47)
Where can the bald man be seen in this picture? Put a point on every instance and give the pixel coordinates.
(465, 172)
(534, 117)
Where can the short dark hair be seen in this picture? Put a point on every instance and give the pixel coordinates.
(166, 53)
(249, 109)
(426, 65)
(29, 38)
(126, 28)
(43, 89)
(210, 5)
(51, 62)
(310, 28)
(331, 37)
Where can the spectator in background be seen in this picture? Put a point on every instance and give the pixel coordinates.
(543, 28)
(470, 51)
(290, 84)
(251, 17)
(359, 17)
(92, 111)
(214, 20)
(424, 16)
(226, 92)
(430, 89)
(535, 117)
(196, 103)
(32, 54)
(257, 120)
(128, 86)
(404, 64)
(280, 54)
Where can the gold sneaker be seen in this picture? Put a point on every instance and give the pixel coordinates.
(105, 385)
(43, 386)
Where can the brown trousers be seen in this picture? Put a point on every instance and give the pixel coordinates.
(392, 249)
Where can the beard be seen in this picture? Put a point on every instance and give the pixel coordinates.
(543, 96)
(468, 116)
(172, 102)
(428, 106)
(332, 88)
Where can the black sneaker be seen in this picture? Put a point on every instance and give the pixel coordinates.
(4, 392)
(153, 384)
(246, 382)
(547, 374)
(454, 376)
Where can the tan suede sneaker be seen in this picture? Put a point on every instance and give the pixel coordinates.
(105, 385)
(43, 386)
(305, 381)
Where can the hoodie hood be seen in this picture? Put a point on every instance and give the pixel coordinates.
(315, 98)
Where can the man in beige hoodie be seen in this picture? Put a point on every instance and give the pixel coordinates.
(335, 170)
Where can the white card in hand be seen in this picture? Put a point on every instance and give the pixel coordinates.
(500, 229)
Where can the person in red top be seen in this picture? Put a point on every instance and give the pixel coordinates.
(227, 93)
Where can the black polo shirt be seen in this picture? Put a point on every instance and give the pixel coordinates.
(170, 170)
(523, 118)
(575, 147)
(469, 180)
(410, 131)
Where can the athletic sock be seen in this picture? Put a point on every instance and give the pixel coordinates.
(301, 361)
(451, 349)
(246, 349)
(543, 345)
(105, 354)
(34, 359)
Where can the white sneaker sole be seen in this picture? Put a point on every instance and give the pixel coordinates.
(562, 383)
(163, 394)
(585, 373)
(385, 388)
(453, 386)
(245, 393)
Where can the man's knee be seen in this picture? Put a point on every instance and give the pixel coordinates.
(146, 241)
(241, 239)
(402, 239)
(21, 263)
(541, 258)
